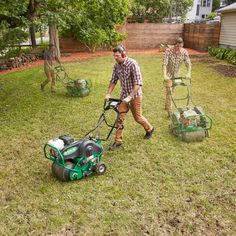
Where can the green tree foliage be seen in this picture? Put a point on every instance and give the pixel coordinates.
(228, 2)
(156, 10)
(15, 18)
(94, 23)
(211, 15)
(12, 23)
(215, 5)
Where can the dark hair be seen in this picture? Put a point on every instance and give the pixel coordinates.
(179, 40)
(119, 48)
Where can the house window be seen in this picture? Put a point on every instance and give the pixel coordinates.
(203, 16)
(197, 12)
(208, 3)
(222, 3)
(204, 3)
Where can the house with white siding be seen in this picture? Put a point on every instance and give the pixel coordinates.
(199, 11)
(228, 26)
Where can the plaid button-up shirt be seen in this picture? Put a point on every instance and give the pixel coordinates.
(129, 74)
(173, 61)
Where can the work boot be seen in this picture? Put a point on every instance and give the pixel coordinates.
(115, 146)
(148, 135)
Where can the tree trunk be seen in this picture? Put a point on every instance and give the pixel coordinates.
(54, 39)
(170, 12)
(32, 35)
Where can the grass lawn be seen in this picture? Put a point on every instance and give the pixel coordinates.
(160, 186)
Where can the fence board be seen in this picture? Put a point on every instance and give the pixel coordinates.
(152, 35)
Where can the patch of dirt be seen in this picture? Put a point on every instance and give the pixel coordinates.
(206, 61)
(71, 57)
(174, 222)
(226, 70)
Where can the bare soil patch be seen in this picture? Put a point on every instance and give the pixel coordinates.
(71, 57)
(226, 70)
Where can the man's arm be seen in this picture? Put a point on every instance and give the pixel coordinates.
(135, 90)
(111, 88)
(132, 94)
(112, 84)
(164, 69)
(164, 65)
(137, 79)
(188, 65)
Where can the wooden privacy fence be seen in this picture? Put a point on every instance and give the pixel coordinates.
(201, 36)
(152, 35)
(139, 36)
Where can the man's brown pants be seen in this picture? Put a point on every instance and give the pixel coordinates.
(168, 91)
(50, 78)
(136, 109)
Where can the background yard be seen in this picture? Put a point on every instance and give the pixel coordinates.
(160, 186)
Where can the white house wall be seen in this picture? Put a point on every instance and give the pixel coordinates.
(191, 15)
(228, 30)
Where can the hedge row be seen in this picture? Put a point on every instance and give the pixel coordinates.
(223, 54)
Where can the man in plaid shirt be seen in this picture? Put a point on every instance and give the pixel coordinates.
(171, 68)
(127, 71)
(50, 59)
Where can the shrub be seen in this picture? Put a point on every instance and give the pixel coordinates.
(211, 16)
(231, 57)
(15, 52)
(223, 54)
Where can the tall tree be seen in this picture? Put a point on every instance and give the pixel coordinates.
(94, 23)
(156, 10)
(20, 14)
(31, 14)
(228, 2)
(215, 5)
(95, 20)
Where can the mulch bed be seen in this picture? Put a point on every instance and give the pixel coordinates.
(206, 61)
(71, 57)
(226, 70)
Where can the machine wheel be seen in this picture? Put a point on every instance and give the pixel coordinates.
(196, 136)
(60, 172)
(173, 129)
(100, 168)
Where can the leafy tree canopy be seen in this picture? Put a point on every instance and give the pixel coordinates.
(156, 10)
(93, 22)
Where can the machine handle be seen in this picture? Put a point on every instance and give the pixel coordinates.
(51, 157)
(107, 103)
(175, 79)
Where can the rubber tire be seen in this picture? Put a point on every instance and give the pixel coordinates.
(60, 172)
(100, 168)
(196, 136)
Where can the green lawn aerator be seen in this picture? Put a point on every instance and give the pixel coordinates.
(75, 88)
(75, 159)
(189, 123)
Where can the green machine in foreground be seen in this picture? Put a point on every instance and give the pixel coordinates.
(189, 123)
(75, 159)
(75, 88)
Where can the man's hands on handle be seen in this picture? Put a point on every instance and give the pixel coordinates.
(126, 100)
(188, 76)
(166, 77)
(107, 97)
